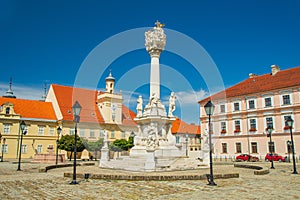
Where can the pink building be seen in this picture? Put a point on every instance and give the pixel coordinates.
(244, 111)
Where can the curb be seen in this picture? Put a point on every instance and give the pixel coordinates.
(258, 169)
(45, 169)
(152, 177)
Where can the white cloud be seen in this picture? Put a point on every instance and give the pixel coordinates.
(22, 91)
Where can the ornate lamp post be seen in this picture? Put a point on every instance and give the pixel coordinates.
(209, 109)
(58, 133)
(271, 145)
(290, 122)
(186, 144)
(3, 146)
(23, 132)
(76, 111)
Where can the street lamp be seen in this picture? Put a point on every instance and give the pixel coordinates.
(209, 109)
(3, 146)
(76, 112)
(58, 133)
(23, 132)
(271, 145)
(186, 144)
(290, 122)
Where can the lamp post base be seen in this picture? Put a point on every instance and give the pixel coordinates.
(211, 183)
(295, 172)
(74, 182)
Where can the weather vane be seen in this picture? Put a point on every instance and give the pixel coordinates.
(158, 24)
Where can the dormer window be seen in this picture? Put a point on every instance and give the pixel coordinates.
(7, 110)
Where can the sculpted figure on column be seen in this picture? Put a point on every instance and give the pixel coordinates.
(139, 107)
(172, 106)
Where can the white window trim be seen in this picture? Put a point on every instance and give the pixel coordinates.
(249, 125)
(281, 98)
(224, 108)
(264, 102)
(255, 104)
(265, 123)
(8, 132)
(239, 106)
(241, 126)
(41, 130)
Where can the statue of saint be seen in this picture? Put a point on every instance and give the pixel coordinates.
(172, 106)
(153, 99)
(139, 107)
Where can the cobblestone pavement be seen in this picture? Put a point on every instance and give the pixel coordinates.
(29, 184)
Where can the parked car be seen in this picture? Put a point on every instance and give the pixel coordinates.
(275, 157)
(246, 157)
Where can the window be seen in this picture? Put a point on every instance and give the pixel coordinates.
(238, 147)
(222, 108)
(92, 133)
(224, 147)
(7, 110)
(286, 99)
(252, 124)
(6, 129)
(72, 131)
(177, 139)
(237, 125)
(223, 127)
(81, 132)
(251, 104)
(51, 131)
(236, 106)
(254, 147)
(102, 133)
(24, 148)
(39, 148)
(41, 130)
(112, 134)
(123, 134)
(4, 148)
(269, 122)
(268, 102)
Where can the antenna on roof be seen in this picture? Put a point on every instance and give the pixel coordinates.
(10, 93)
(45, 92)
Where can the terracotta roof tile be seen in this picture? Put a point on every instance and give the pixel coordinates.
(31, 108)
(66, 97)
(263, 83)
(128, 116)
(179, 126)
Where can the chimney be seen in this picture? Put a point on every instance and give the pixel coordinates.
(251, 75)
(275, 69)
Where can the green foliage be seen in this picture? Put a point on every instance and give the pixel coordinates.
(121, 145)
(66, 143)
(93, 146)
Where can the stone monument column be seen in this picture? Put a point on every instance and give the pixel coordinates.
(155, 41)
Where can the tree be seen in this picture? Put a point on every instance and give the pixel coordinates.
(93, 146)
(66, 143)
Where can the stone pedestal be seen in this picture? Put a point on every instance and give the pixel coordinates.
(104, 157)
(150, 161)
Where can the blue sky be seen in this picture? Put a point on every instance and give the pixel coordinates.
(47, 41)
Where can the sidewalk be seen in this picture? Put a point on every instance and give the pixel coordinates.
(29, 184)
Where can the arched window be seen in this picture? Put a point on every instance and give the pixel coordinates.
(7, 110)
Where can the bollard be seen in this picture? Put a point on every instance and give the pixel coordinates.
(86, 177)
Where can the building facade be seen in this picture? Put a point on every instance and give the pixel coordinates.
(41, 125)
(244, 111)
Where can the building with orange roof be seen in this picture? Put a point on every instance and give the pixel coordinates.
(244, 111)
(100, 111)
(41, 125)
(187, 134)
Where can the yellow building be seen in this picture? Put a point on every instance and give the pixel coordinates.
(41, 125)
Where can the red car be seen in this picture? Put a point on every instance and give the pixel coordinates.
(246, 157)
(275, 157)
